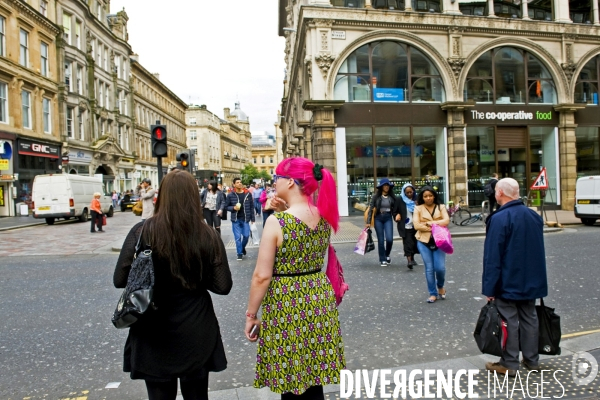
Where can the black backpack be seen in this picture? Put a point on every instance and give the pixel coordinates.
(488, 190)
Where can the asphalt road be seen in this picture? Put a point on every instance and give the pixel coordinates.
(57, 341)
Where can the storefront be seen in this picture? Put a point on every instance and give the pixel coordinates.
(125, 179)
(35, 158)
(79, 162)
(7, 190)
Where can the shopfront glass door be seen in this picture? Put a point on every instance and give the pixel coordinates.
(512, 163)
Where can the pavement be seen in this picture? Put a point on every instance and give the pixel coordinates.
(559, 379)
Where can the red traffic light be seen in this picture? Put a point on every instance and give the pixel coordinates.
(159, 133)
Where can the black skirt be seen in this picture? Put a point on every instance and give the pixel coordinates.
(410, 243)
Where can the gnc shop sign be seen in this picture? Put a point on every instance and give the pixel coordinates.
(39, 149)
(512, 115)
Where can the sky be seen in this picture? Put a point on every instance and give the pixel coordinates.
(212, 52)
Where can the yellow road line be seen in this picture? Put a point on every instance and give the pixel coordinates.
(579, 334)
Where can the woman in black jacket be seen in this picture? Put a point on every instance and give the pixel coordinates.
(383, 203)
(181, 338)
(211, 201)
(405, 206)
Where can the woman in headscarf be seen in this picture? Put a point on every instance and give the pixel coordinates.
(404, 208)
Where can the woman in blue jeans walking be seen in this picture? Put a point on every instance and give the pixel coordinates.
(429, 211)
(382, 204)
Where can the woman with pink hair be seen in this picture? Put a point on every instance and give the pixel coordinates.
(299, 327)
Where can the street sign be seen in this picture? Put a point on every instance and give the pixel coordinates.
(4, 165)
(541, 182)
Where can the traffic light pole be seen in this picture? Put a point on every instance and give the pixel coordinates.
(160, 171)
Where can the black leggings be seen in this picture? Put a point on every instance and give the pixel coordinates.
(190, 390)
(212, 219)
(312, 393)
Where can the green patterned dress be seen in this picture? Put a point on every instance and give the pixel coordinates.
(300, 341)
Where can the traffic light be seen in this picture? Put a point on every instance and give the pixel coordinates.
(183, 161)
(158, 134)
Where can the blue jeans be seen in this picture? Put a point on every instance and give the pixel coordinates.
(435, 267)
(257, 206)
(241, 233)
(384, 227)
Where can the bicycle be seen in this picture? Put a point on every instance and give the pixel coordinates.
(482, 216)
(458, 211)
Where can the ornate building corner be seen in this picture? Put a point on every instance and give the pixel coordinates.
(457, 65)
(324, 62)
(569, 69)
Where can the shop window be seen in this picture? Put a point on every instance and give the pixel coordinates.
(588, 151)
(387, 4)
(426, 5)
(400, 153)
(26, 108)
(379, 72)
(586, 88)
(508, 75)
(507, 9)
(44, 59)
(46, 115)
(542, 153)
(473, 8)
(24, 48)
(481, 161)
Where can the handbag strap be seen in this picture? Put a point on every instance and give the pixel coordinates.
(431, 213)
(139, 241)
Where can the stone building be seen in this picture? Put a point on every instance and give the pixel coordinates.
(265, 155)
(153, 101)
(96, 119)
(222, 146)
(30, 140)
(443, 92)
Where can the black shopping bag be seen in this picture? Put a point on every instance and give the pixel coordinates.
(370, 243)
(490, 331)
(549, 330)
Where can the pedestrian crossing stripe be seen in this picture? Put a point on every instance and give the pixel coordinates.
(541, 182)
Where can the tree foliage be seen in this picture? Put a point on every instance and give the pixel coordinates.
(250, 172)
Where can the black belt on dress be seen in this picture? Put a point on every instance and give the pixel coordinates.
(300, 273)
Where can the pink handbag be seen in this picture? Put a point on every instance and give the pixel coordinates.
(335, 273)
(442, 238)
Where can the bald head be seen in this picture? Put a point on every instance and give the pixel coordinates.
(507, 189)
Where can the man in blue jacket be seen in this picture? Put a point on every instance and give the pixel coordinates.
(241, 206)
(514, 275)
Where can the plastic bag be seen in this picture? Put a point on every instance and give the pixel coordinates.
(442, 238)
(361, 244)
(370, 242)
(254, 234)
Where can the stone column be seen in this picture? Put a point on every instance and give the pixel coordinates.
(561, 11)
(596, 19)
(524, 10)
(568, 153)
(491, 12)
(368, 4)
(408, 5)
(323, 131)
(457, 150)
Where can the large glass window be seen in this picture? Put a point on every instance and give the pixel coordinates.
(388, 71)
(508, 75)
(588, 151)
(44, 59)
(542, 153)
(586, 88)
(400, 153)
(46, 115)
(3, 102)
(580, 11)
(26, 108)
(481, 161)
(24, 48)
(2, 37)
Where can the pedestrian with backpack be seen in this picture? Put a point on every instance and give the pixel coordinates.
(489, 190)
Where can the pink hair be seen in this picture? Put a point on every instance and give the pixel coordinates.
(301, 169)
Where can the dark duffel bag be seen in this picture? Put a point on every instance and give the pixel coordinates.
(490, 332)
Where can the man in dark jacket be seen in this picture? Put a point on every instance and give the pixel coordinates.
(514, 275)
(241, 206)
(492, 197)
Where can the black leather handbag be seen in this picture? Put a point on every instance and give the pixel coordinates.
(137, 298)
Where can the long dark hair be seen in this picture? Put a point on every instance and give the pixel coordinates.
(214, 186)
(427, 189)
(177, 232)
(390, 192)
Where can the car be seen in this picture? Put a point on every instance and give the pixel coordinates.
(128, 201)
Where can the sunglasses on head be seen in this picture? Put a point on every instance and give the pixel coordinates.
(275, 177)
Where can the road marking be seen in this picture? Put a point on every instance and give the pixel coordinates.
(579, 334)
(113, 385)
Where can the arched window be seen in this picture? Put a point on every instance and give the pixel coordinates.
(586, 88)
(507, 75)
(388, 71)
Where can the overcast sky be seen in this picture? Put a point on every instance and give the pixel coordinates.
(212, 52)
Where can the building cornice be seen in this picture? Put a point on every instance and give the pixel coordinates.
(29, 11)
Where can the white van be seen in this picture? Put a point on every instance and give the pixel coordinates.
(67, 196)
(587, 199)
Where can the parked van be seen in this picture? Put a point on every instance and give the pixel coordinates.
(67, 196)
(587, 199)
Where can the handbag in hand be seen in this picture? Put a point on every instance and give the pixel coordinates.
(370, 242)
(491, 331)
(137, 298)
(549, 330)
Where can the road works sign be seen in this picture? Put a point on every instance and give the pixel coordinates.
(541, 182)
